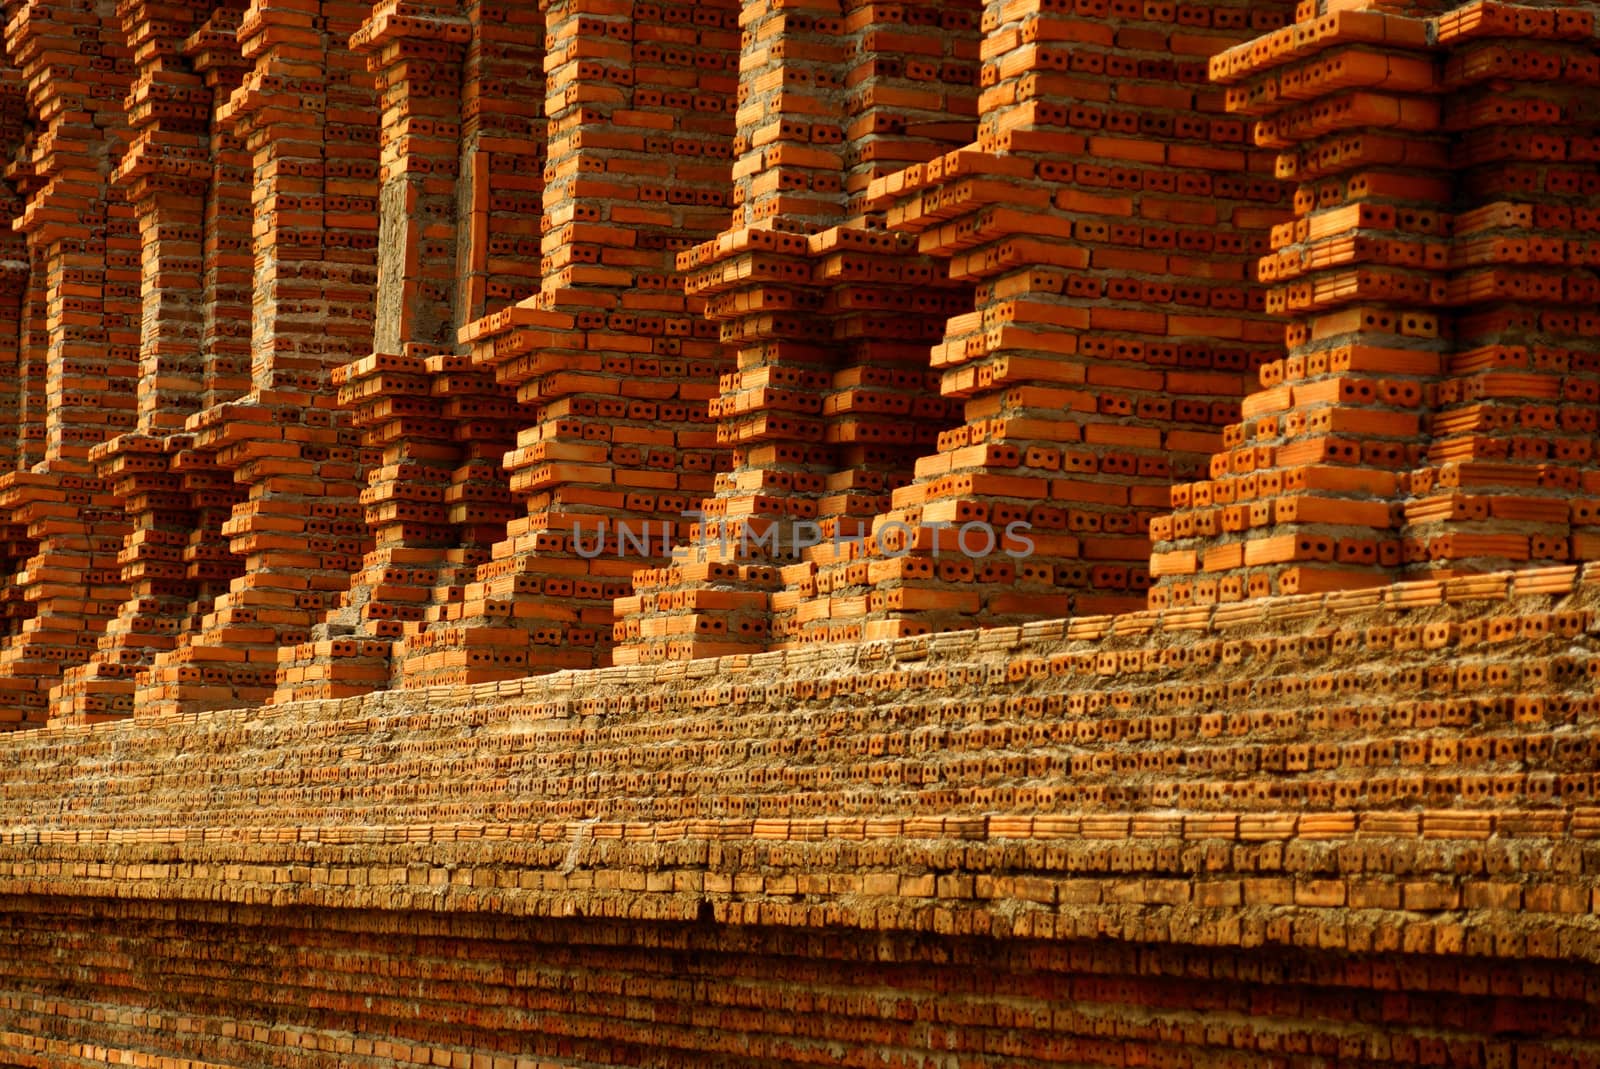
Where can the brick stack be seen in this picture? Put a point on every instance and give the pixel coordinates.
(1107, 216)
(1433, 413)
(33, 343)
(213, 52)
(434, 502)
(613, 364)
(27, 445)
(830, 318)
(307, 113)
(1513, 424)
(827, 411)
(497, 257)
(1377, 805)
(787, 181)
(414, 51)
(910, 84)
(1300, 501)
(166, 175)
(64, 529)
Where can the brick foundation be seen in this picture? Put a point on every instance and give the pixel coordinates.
(1372, 814)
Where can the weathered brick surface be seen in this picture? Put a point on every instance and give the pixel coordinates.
(1376, 812)
(711, 275)
(505, 993)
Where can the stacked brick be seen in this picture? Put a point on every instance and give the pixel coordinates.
(31, 344)
(419, 445)
(829, 406)
(227, 290)
(227, 276)
(462, 102)
(829, 317)
(414, 52)
(758, 994)
(1106, 216)
(1433, 414)
(713, 596)
(608, 358)
(307, 113)
(500, 194)
(434, 502)
(167, 174)
(63, 527)
(1299, 501)
(1514, 421)
(1383, 802)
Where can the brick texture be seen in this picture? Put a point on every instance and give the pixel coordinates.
(1371, 813)
(945, 533)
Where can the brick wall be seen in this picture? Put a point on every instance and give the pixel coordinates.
(1385, 792)
(244, 985)
(346, 345)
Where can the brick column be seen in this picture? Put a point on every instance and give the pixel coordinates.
(165, 175)
(416, 60)
(500, 200)
(787, 181)
(1513, 425)
(829, 318)
(614, 367)
(16, 278)
(209, 564)
(1105, 216)
(1437, 404)
(64, 527)
(308, 114)
(1300, 501)
(35, 338)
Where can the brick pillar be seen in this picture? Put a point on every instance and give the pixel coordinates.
(911, 96)
(1106, 217)
(164, 176)
(1301, 499)
(1513, 425)
(1437, 403)
(460, 205)
(612, 364)
(35, 344)
(830, 319)
(65, 528)
(25, 388)
(308, 115)
(787, 181)
(500, 202)
(16, 279)
(416, 60)
(213, 50)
